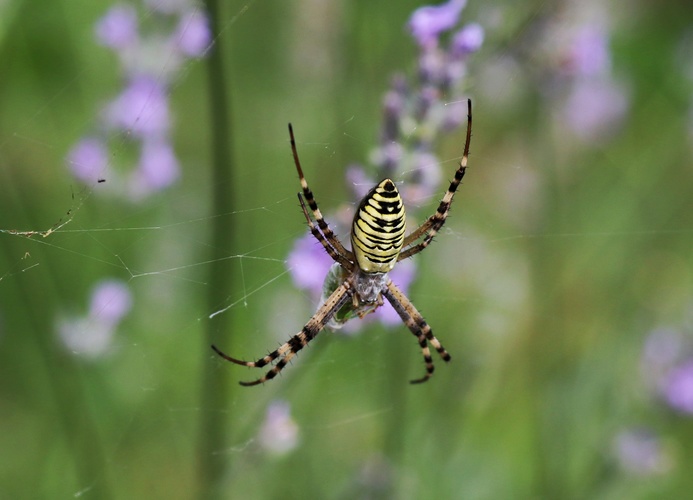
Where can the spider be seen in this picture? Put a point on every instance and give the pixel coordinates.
(378, 243)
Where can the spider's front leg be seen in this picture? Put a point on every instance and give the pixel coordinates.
(434, 223)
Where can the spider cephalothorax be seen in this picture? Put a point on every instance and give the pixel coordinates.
(359, 278)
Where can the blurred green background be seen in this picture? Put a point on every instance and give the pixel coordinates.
(562, 253)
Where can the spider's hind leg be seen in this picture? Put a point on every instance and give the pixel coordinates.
(254, 364)
(284, 354)
(418, 326)
(289, 349)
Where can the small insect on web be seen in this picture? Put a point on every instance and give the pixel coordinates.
(378, 243)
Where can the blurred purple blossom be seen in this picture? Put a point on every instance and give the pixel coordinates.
(309, 262)
(85, 337)
(393, 108)
(110, 301)
(595, 108)
(91, 335)
(427, 22)
(141, 109)
(158, 167)
(594, 102)
(387, 158)
(431, 66)
(455, 116)
(193, 35)
(151, 53)
(467, 40)
(88, 160)
(118, 28)
(677, 389)
(425, 177)
(640, 452)
(667, 368)
(279, 433)
(589, 53)
(662, 351)
(359, 182)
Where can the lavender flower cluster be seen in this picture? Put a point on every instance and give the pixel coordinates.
(415, 115)
(91, 335)
(279, 433)
(151, 53)
(666, 367)
(596, 101)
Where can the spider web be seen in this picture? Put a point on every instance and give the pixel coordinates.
(474, 284)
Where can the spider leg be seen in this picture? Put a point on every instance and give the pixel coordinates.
(418, 326)
(433, 224)
(324, 227)
(336, 256)
(289, 349)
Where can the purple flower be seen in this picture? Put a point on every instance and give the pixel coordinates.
(424, 180)
(309, 263)
(193, 36)
(88, 160)
(85, 336)
(142, 108)
(92, 335)
(596, 103)
(677, 388)
(595, 109)
(387, 158)
(662, 351)
(426, 23)
(589, 53)
(117, 29)
(455, 115)
(427, 98)
(640, 452)
(358, 181)
(467, 40)
(393, 107)
(158, 166)
(149, 61)
(279, 433)
(432, 66)
(110, 301)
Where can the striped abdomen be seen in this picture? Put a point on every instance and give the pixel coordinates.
(377, 232)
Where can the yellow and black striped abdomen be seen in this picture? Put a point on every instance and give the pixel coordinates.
(377, 232)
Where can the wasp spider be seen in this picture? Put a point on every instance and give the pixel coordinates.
(378, 243)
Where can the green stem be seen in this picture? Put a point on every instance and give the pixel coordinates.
(215, 388)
